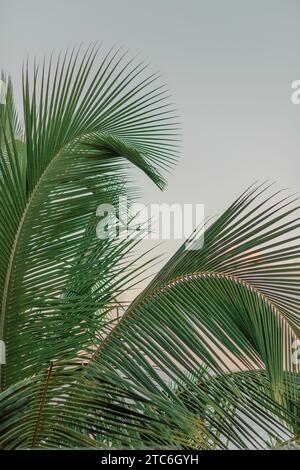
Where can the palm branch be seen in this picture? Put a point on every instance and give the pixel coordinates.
(203, 357)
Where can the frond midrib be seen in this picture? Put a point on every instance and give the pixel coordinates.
(195, 275)
(41, 406)
(230, 277)
(15, 244)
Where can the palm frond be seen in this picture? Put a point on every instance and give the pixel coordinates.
(83, 125)
(231, 305)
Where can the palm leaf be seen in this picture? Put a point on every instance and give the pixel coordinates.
(82, 126)
(231, 305)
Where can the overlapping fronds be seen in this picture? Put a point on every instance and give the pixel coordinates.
(231, 305)
(61, 407)
(207, 353)
(206, 356)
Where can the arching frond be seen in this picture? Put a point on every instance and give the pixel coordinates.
(231, 305)
(84, 125)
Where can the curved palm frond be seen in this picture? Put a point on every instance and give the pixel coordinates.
(83, 125)
(231, 305)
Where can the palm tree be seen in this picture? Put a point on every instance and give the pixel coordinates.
(204, 357)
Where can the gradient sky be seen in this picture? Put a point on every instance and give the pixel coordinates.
(229, 66)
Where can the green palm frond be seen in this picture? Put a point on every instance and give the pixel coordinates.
(203, 358)
(83, 125)
(61, 407)
(231, 305)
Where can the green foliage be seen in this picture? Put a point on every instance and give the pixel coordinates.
(202, 358)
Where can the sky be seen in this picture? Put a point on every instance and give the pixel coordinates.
(229, 66)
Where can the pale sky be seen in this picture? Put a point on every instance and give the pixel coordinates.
(229, 65)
